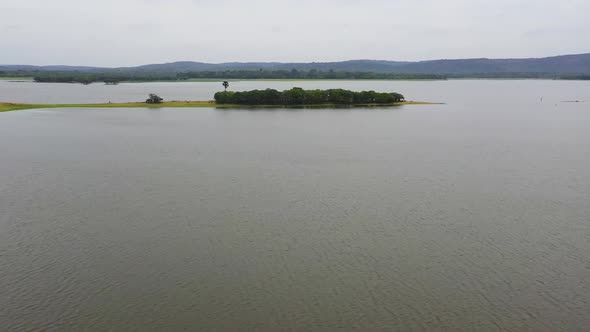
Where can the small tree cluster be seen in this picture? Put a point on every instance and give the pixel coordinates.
(298, 96)
(154, 99)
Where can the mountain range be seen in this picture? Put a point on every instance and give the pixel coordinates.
(563, 64)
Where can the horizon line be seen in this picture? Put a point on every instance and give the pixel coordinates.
(296, 62)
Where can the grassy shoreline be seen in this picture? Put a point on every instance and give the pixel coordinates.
(5, 107)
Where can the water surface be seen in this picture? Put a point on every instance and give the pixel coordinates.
(473, 215)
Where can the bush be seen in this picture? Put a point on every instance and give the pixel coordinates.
(154, 99)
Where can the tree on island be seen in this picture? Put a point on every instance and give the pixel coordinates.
(225, 85)
(154, 99)
(299, 96)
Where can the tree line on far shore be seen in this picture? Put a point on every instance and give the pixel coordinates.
(298, 96)
(146, 76)
(113, 76)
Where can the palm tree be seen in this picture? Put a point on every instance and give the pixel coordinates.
(225, 85)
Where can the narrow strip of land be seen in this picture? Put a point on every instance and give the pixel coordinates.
(4, 107)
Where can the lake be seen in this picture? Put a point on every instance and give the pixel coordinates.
(471, 215)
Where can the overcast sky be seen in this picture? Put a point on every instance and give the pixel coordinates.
(134, 32)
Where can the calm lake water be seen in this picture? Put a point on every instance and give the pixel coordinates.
(472, 215)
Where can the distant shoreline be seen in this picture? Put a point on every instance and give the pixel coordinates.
(5, 107)
(208, 80)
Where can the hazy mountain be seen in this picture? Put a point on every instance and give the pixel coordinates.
(46, 68)
(565, 64)
(559, 64)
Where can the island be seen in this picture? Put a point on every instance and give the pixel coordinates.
(268, 98)
(300, 97)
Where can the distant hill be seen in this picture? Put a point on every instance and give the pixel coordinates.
(565, 64)
(571, 64)
(352, 65)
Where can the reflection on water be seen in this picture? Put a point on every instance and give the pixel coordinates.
(471, 215)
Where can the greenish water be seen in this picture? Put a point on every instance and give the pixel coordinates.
(473, 215)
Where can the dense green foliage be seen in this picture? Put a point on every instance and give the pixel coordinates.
(91, 77)
(575, 77)
(87, 77)
(154, 99)
(298, 96)
(113, 76)
(300, 74)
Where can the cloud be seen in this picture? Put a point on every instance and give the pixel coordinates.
(131, 32)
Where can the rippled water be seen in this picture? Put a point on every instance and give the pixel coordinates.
(473, 215)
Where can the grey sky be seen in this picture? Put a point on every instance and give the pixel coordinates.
(133, 32)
